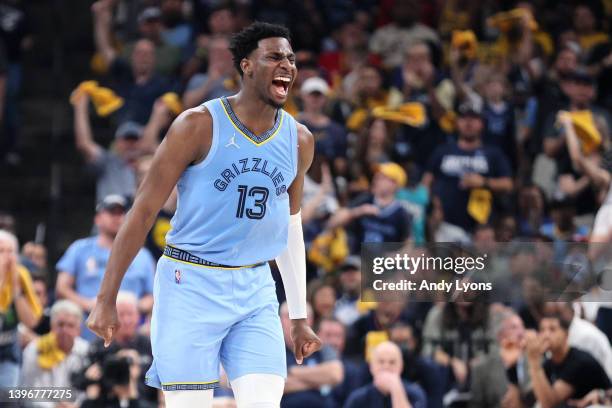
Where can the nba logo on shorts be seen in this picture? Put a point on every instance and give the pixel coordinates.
(177, 276)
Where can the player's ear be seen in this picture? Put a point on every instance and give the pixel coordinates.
(247, 67)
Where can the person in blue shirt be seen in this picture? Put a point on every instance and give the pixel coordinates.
(387, 388)
(456, 169)
(82, 267)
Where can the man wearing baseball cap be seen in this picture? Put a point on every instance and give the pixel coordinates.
(330, 136)
(377, 216)
(82, 266)
(465, 175)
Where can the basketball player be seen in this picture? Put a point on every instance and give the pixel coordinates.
(239, 164)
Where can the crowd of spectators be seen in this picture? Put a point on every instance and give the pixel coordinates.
(473, 122)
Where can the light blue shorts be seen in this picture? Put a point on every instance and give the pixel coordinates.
(203, 316)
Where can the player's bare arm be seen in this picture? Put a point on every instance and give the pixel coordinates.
(305, 341)
(187, 142)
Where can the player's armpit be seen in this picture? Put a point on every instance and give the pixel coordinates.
(305, 156)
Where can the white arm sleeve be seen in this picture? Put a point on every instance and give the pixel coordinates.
(292, 267)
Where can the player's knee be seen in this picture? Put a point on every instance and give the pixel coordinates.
(189, 398)
(258, 390)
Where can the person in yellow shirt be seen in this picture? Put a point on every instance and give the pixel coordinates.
(18, 304)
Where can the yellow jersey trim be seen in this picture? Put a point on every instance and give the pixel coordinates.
(280, 125)
(207, 266)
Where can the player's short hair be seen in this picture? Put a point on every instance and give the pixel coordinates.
(246, 41)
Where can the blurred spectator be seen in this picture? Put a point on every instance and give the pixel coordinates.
(415, 199)
(177, 31)
(580, 90)
(81, 268)
(550, 94)
(220, 79)
(333, 334)
(347, 309)
(349, 50)
(126, 338)
(563, 227)
(8, 222)
(37, 254)
(498, 378)
(418, 369)
(150, 26)
(318, 198)
(531, 210)
(119, 383)
(309, 384)
(41, 289)
(330, 137)
(498, 114)
(373, 146)
(467, 175)
(561, 376)
(439, 230)
(417, 81)
(18, 304)
(587, 24)
(114, 168)
(387, 387)
(51, 360)
(377, 216)
(374, 324)
(392, 39)
(133, 77)
(367, 92)
(455, 333)
(584, 335)
(322, 297)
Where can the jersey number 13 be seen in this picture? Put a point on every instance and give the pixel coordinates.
(260, 194)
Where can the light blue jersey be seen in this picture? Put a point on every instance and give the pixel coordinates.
(233, 207)
(233, 210)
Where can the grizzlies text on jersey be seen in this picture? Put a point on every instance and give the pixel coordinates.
(233, 207)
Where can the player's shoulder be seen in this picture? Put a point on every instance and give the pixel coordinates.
(304, 134)
(196, 118)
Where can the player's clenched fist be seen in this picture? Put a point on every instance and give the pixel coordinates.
(103, 321)
(305, 341)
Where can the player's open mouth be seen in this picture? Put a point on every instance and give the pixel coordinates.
(280, 83)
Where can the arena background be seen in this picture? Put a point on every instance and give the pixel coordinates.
(396, 93)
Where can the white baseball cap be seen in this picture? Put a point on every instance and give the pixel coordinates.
(315, 84)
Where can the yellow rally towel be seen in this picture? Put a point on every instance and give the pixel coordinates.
(411, 114)
(6, 292)
(448, 121)
(172, 101)
(480, 204)
(49, 354)
(329, 249)
(506, 19)
(466, 41)
(587, 132)
(104, 99)
(373, 339)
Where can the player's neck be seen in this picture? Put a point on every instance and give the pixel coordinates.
(254, 113)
